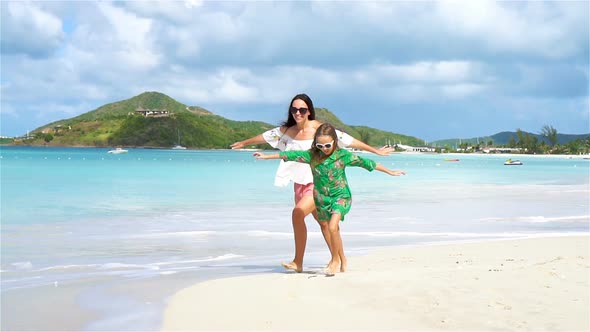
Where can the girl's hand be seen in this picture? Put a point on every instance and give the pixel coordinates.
(259, 155)
(396, 173)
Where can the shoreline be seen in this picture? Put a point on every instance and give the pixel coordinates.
(530, 284)
(151, 297)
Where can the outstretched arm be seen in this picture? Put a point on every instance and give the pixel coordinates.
(271, 137)
(391, 172)
(250, 141)
(363, 146)
(347, 141)
(260, 155)
(298, 156)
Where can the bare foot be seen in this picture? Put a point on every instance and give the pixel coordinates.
(292, 266)
(343, 264)
(332, 268)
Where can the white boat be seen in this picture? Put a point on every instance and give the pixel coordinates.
(117, 151)
(178, 146)
(511, 162)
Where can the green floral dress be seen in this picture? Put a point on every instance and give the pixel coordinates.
(331, 192)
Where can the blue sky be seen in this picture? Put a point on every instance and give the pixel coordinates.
(434, 70)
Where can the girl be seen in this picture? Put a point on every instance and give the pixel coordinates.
(331, 193)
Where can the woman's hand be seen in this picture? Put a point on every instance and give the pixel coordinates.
(237, 145)
(386, 151)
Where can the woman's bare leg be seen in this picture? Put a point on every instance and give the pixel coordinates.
(304, 207)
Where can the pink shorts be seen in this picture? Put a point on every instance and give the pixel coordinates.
(302, 190)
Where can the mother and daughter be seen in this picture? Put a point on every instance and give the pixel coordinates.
(306, 140)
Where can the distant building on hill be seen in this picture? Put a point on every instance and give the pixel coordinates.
(151, 113)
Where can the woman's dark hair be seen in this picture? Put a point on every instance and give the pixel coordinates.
(290, 119)
(325, 129)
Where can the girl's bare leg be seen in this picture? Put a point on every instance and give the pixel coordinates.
(335, 244)
(304, 207)
(343, 261)
(326, 233)
(324, 229)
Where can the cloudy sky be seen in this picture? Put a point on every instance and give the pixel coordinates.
(433, 70)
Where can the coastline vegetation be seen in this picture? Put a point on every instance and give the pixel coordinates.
(548, 141)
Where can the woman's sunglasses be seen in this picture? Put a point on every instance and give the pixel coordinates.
(324, 146)
(301, 110)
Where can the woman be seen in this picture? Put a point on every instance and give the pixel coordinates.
(296, 134)
(332, 195)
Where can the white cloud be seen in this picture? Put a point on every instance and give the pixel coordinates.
(248, 54)
(461, 90)
(533, 28)
(429, 72)
(27, 29)
(174, 12)
(130, 38)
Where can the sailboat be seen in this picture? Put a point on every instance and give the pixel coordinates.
(178, 146)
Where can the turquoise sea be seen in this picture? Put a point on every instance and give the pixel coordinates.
(153, 221)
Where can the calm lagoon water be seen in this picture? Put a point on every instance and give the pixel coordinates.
(174, 217)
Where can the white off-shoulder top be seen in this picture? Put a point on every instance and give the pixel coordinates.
(293, 171)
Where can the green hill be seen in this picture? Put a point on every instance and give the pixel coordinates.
(122, 123)
(153, 119)
(371, 136)
(146, 100)
(376, 137)
(323, 115)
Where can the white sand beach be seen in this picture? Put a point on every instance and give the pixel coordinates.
(529, 284)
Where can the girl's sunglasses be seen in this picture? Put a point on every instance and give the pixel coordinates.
(324, 146)
(301, 110)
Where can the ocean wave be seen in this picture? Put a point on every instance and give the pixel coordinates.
(4, 280)
(207, 259)
(122, 267)
(261, 233)
(458, 234)
(174, 234)
(105, 266)
(69, 267)
(539, 219)
(22, 265)
(426, 234)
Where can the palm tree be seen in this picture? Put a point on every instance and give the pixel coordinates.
(521, 137)
(550, 133)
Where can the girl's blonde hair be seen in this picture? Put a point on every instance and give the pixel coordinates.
(325, 129)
